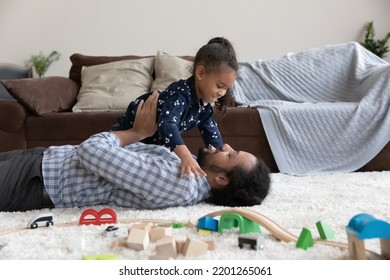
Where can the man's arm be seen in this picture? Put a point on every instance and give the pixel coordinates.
(144, 122)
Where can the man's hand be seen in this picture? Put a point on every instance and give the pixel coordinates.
(144, 125)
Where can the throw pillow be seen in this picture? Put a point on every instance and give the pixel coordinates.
(80, 60)
(169, 69)
(111, 86)
(46, 95)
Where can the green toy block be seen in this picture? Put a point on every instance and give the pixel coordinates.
(178, 225)
(325, 230)
(305, 239)
(100, 257)
(232, 220)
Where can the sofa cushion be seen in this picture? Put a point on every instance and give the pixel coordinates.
(169, 68)
(111, 86)
(46, 95)
(80, 60)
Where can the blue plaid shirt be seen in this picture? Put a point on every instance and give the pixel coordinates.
(99, 171)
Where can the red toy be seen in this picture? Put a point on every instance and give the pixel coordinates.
(104, 216)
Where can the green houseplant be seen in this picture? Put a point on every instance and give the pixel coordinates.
(377, 46)
(41, 62)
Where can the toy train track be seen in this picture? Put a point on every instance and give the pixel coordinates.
(76, 223)
(281, 233)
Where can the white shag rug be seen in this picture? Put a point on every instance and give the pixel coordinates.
(293, 203)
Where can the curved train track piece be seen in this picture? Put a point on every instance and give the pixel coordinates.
(279, 232)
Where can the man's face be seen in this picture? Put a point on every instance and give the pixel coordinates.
(225, 158)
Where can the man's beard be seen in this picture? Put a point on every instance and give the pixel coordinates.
(202, 157)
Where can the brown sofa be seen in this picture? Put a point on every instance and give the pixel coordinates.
(42, 115)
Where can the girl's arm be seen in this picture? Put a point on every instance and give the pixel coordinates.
(188, 163)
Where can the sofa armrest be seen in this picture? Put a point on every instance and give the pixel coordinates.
(12, 115)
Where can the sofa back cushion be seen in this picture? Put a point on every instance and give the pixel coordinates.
(42, 96)
(79, 60)
(112, 86)
(170, 68)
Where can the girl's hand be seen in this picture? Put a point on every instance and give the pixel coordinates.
(190, 165)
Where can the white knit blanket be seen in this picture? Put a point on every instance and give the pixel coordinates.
(323, 110)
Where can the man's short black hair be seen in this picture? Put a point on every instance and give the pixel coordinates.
(245, 188)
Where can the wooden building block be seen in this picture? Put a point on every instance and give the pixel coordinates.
(119, 243)
(194, 247)
(166, 246)
(356, 248)
(180, 246)
(146, 226)
(138, 239)
(210, 244)
(385, 247)
(157, 233)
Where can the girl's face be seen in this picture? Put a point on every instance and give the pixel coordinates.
(213, 84)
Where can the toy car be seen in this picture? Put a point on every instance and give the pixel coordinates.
(112, 231)
(41, 221)
(253, 241)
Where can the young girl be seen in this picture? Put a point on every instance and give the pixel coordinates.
(188, 103)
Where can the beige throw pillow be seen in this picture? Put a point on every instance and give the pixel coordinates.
(112, 86)
(169, 69)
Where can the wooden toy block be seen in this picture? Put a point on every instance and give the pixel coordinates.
(76, 244)
(194, 247)
(385, 247)
(305, 239)
(160, 257)
(138, 239)
(145, 226)
(166, 246)
(207, 223)
(157, 233)
(180, 246)
(210, 244)
(356, 248)
(119, 243)
(189, 224)
(325, 231)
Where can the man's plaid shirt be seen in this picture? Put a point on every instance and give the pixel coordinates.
(99, 171)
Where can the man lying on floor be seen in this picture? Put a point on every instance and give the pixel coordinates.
(113, 168)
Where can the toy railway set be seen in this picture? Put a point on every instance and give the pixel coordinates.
(249, 222)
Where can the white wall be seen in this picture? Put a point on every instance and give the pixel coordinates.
(259, 29)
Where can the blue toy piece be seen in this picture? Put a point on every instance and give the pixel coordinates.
(208, 223)
(365, 226)
(231, 220)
